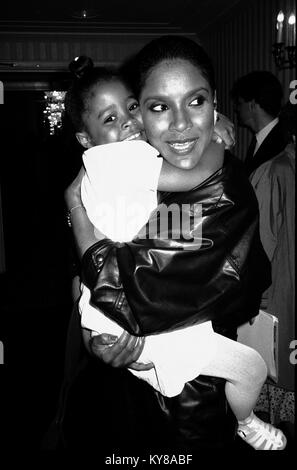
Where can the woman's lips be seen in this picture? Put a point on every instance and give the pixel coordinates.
(183, 147)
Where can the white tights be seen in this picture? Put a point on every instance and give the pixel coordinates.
(244, 370)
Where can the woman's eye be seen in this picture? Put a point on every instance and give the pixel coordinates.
(109, 119)
(199, 101)
(158, 108)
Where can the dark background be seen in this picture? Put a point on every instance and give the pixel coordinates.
(35, 290)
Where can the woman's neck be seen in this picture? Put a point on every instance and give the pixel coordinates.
(212, 160)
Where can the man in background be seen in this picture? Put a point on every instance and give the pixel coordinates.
(257, 99)
(270, 165)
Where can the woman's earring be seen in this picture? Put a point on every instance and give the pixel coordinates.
(215, 116)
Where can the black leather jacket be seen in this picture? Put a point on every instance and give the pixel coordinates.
(152, 286)
(156, 285)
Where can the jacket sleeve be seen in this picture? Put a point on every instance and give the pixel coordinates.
(152, 285)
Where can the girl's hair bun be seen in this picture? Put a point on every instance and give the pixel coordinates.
(81, 65)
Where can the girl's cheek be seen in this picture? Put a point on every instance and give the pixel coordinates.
(138, 116)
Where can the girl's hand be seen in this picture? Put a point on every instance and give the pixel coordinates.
(72, 193)
(224, 131)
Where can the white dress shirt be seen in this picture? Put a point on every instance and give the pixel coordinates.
(263, 133)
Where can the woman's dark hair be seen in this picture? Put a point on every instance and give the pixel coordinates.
(170, 47)
(87, 77)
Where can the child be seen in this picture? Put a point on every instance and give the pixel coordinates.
(104, 111)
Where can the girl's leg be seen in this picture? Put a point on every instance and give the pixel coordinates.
(244, 370)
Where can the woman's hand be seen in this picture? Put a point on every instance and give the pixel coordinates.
(119, 352)
(72, 193)
(224, 131)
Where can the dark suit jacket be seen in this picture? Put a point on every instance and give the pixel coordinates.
(271, 146)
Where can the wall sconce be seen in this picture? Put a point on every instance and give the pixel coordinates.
(284, 49)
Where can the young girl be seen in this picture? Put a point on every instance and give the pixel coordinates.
(105, 111)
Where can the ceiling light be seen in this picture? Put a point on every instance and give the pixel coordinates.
(85, 14)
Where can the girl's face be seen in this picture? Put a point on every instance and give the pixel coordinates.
(112, 115)
(177, 110)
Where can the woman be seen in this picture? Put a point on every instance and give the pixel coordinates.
(224, 281)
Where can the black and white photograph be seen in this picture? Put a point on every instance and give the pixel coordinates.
(147, 230)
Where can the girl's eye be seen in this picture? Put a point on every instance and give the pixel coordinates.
(109, 119)
(158, 108)
(134, 106)
(199, 101)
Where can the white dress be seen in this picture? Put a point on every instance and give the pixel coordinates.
(119, 192)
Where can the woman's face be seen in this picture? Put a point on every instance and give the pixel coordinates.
(177, 109)
(112, 115)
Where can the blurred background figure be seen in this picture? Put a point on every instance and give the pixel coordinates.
(274, 184)
(257, 99)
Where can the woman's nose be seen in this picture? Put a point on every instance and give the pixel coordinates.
(181, 120)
